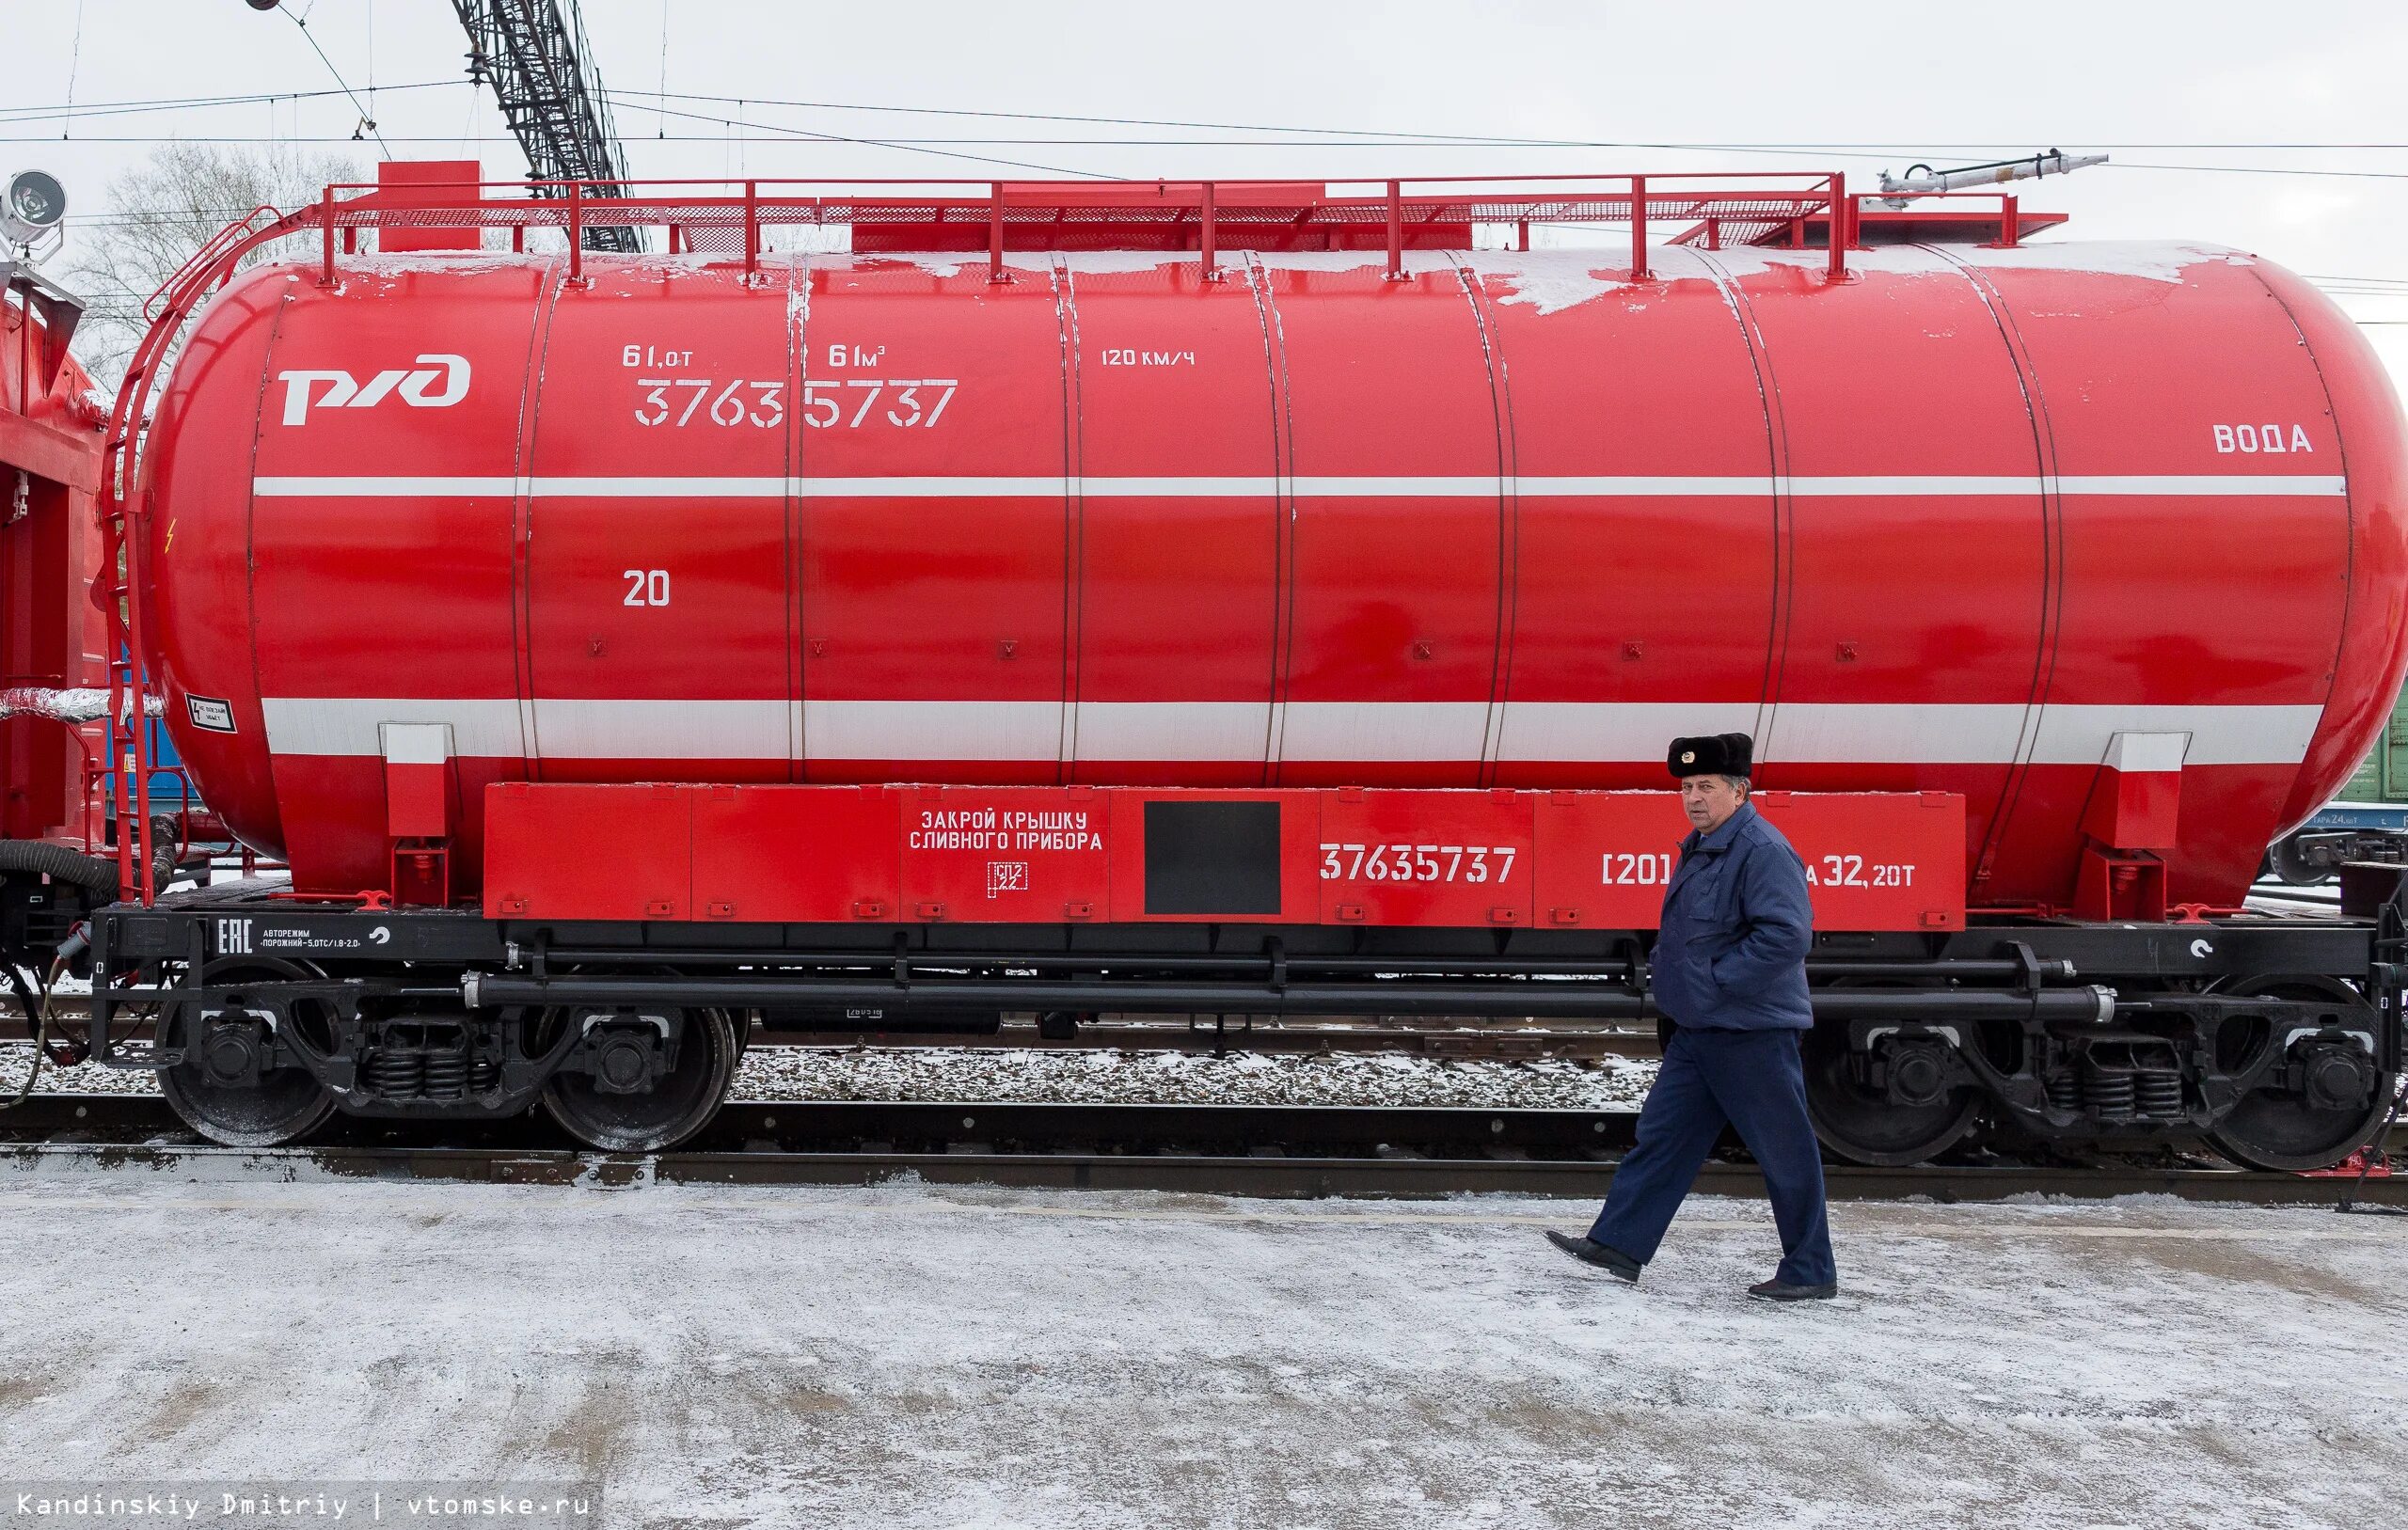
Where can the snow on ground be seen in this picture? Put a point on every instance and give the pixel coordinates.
(918, 1356)
(1005, 1075)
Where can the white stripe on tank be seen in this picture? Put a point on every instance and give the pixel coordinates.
(642, 486)
(1310, 732)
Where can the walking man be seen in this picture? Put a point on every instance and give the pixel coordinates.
(1730, 973)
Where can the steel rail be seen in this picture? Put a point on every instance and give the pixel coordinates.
(1337, 1151)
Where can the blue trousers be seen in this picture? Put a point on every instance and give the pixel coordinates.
(1755, 1082)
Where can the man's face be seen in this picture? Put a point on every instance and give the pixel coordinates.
(1709, 801)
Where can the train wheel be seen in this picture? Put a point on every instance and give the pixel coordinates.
(2283, 1133)
(1865, 1125)
(2288, 859)
(659, 1118)
(206, 1089)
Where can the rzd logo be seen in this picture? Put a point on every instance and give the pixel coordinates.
(342, 392)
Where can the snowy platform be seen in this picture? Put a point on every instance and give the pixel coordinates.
(912, 1356)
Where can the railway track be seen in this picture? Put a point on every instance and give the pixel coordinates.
(1278, 1151)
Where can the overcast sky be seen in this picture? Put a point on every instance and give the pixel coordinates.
(1857, 86)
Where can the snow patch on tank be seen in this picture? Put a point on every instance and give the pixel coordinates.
(1549, 281)
(1100, 263)
(719, 266)
(2152, 260)
(1126, 262)
(1038, 262)
(2147, 259)
(447, 262)
(1415, 260)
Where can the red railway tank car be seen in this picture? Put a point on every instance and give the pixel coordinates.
(1508, 521)
(484, 577)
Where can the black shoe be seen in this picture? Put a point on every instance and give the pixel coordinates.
(1776, 1290)
(1614, 1262)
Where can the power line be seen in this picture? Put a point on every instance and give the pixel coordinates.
(2266, 169)
(1355, 138)
(663, 91)
(367, 118)
(1064, 117)
(947, 147)
(177, 104)
(74, 58)
(876, 143)
(1912, 146)
(1906, 147)
(775, 133)
(1314, 136)
(771, 132)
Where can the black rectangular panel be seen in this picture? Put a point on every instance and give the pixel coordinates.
(1213, 858)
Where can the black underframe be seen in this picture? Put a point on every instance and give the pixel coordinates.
(2063, 981)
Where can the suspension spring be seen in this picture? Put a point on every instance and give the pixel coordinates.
(396, 1072)
(2158, 1092)
(2065, 1089)
(447, 1074)
(2109, 1091)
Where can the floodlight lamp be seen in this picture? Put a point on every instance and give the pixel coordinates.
(33, 208)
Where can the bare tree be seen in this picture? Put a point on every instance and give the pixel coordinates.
(161, 214)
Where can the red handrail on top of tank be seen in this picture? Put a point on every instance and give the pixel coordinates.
(1623, 198)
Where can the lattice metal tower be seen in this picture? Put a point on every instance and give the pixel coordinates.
(535, 54)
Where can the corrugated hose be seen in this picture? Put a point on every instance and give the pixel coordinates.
(41, 1038)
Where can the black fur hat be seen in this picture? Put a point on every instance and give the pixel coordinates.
(1715, 754)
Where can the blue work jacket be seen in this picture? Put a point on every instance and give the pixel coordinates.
(1730, 951)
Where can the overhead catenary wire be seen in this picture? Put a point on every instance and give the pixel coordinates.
(147, 105)
(1301, 135)
(659, 122)
(1392, 137)
(771, 132)
(74, 62)
(774, 132)
(1904, 147)
(880, 143)
(944, 146)
(367, 118)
